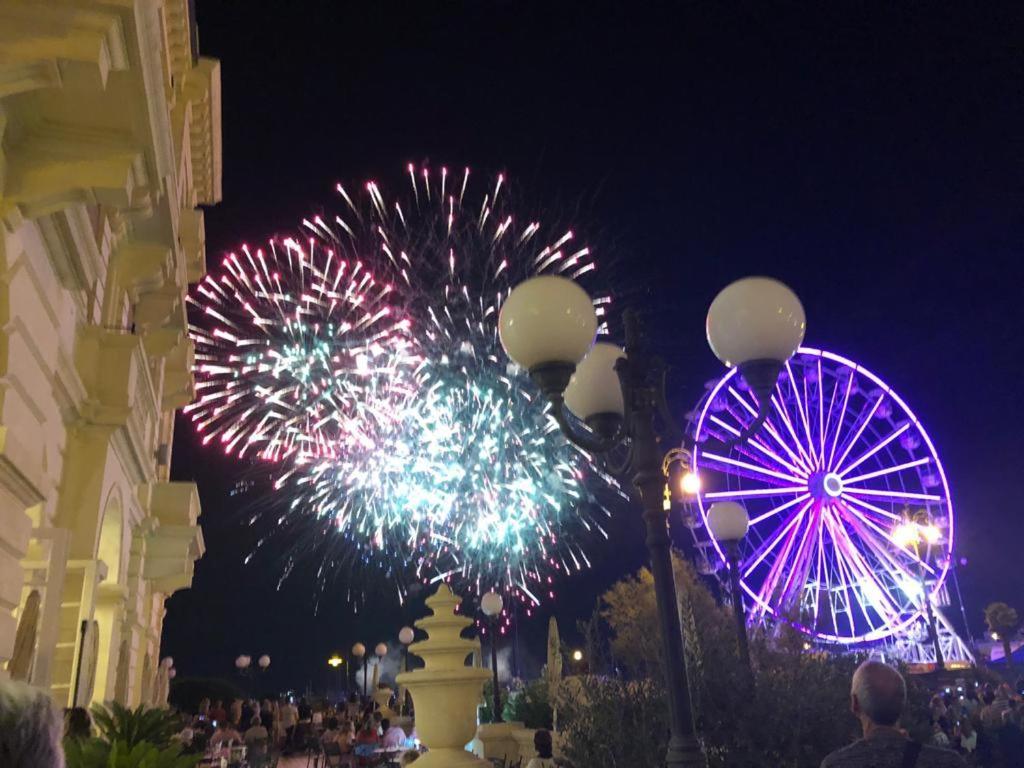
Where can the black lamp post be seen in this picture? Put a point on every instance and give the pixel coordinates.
(491, 605)
(405, 636)
(548, 325)
(728, 523)
(359, 652)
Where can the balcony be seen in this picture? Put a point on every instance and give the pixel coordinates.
(176, 541)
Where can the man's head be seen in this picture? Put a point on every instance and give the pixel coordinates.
(30, 730)
(877, 694)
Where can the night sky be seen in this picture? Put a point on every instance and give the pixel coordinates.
(871, 159)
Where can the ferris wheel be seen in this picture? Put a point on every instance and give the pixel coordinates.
(829, 483)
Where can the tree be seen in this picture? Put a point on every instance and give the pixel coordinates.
(797, 712)
(1003, 621)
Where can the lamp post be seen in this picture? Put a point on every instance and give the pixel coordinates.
(548, 325)
(728, 523)
(914, 529)
(380, 651)
(491, 605)
(336, 662)
(358, 652)
(405, 636)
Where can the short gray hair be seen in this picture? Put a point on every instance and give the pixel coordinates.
(880, 691)
(30, 729)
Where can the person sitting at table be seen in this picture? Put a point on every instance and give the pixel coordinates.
(225, 735)
(346, 735)
(256, 740)
(368, 734)
(394, 737)
(331, 733)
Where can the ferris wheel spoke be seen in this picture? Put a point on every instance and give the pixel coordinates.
(860, 430)
(881, 544)
(803, 409)
(822, 424)
(871, 507)
(775, 510)
(876, 595)
(844, 579)
(770, 429)
(888, 470)
(897, 496)
(766, 548)
(817, 579)
(884, 600)
(886, 535)
(750, 467)
(801, 559)
(784, 415)
(843, 471)
(842, 417)
(767, 591)
(748, 493)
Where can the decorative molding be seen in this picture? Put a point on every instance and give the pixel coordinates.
(13, 478)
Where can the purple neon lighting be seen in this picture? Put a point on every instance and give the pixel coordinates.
(835, 551)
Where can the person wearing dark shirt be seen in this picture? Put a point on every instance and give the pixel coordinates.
(878, 695)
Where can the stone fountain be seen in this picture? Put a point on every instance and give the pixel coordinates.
(445, 692)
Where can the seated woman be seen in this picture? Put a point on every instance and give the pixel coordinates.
(331, 733)
(367, 741)
(542, 743)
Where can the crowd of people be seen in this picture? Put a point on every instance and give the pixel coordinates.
(970, 725)
(354, 732)
(984, 723)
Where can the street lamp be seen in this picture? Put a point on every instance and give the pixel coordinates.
(491, 604)
(335, 662)
(913, 530)
(548, 325)
(728, 523)
(358, 652)
(380, 651)
(405, 636)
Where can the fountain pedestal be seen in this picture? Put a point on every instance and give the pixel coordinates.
(445, 692)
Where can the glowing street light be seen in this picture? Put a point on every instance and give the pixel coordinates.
(577, 655)
(335, 661)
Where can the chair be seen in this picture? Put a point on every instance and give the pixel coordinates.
(332, 755)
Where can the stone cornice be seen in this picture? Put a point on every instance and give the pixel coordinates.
(25, 489)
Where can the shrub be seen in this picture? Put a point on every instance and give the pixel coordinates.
(117, 723)
(96, 753)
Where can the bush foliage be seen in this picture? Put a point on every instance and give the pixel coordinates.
(796, 712)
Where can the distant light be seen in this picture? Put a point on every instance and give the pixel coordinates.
(577, 655)
(995, 635)
(335, 661)
(931, 533)
(690, 483)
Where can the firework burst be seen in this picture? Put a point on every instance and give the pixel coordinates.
(433, 458)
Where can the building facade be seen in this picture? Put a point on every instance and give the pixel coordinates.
(109, 143)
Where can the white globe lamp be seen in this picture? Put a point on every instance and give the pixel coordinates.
(359, 650)
(491, 604)
(546, 325)
(264, 661)
(406, 635)
(728, 521)
(755, 318)
(594, 393)
(381, 650)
